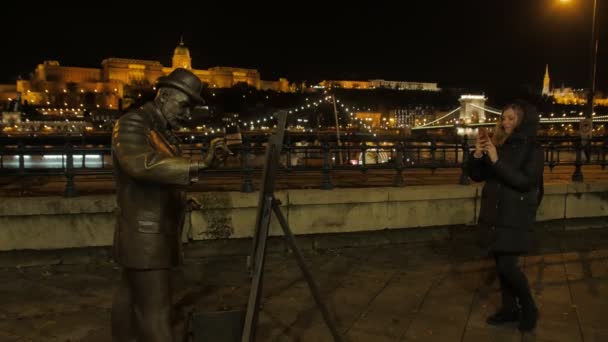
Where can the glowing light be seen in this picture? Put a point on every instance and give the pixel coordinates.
(472, 97)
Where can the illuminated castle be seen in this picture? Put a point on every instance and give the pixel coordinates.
(54, 85)
(567, 95)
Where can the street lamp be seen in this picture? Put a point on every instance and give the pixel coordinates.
(594, 46)
(593, 57)
(586, 125)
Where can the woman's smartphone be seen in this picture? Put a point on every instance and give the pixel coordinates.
(482, 136)
(482, 133)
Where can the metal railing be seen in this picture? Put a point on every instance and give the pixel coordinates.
(301, 152)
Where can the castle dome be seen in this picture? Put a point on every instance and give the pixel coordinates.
(181, 50)
(181, 56)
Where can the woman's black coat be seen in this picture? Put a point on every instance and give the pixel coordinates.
(512, 191)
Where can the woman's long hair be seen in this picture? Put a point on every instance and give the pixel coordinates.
(500, 136)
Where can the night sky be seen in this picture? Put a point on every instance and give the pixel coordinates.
(472, 44)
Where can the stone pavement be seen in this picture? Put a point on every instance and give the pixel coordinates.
(439, 290)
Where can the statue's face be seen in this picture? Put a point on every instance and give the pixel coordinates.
(176, 107)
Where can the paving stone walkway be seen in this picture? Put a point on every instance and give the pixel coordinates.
(429, 291)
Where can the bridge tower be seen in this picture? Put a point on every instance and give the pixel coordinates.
(472, 108)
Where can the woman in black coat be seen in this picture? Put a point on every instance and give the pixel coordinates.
(511, 164)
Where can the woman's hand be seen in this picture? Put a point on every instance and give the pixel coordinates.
(481, 138)
(489, 148)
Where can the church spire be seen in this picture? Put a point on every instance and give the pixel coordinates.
(181, 40)
(546, 82)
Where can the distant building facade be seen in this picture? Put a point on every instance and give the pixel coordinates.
(373, 84)
(344, 84)
(372, 119)
(405, 85)
(412, 116)
(54, 85)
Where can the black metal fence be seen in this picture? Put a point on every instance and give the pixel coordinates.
(301, 152)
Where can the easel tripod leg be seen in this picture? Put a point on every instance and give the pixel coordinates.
(251, 317)
(307, 275)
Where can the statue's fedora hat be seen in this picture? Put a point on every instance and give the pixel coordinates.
(183, 80)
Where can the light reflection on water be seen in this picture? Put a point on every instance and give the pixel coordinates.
(96, 161)
(93, 161)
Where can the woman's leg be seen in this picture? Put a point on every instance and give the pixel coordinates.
(507, 266)
(508, 311)
(509, 300)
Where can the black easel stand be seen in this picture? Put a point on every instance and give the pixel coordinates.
(266, 204)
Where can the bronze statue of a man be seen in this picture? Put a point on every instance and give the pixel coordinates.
(151, 177)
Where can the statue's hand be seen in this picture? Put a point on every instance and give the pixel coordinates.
(193, 204)
(218, 145)
(218, 151)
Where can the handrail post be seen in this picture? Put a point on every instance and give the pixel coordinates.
(577, 176)
(70, 187)
(464, 176)
(551, 152)
(247, 185)
(20, 151)
(398, 180)
(326, 183)
(604, 152)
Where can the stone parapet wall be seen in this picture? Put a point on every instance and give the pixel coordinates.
(43, 223)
